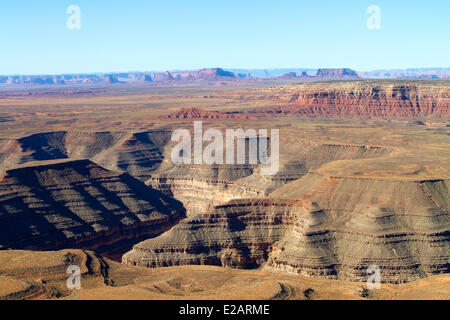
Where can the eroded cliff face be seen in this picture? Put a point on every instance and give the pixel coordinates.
(363, 99)
(200, 187)
(146, 156)
(319, 226)
(139, 153)
(79, 204)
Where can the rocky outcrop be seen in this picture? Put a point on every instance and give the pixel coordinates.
(196, 113)
(290, 75)
(336, 74)
(109, 78)
(200, 187)
(145, 78)
(78, 204)
(136, 153)
(212, 74)
(215, 73)
(295, 76)
(318, 226)
(364, 99)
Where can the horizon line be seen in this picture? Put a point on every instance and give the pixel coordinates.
(223, 68)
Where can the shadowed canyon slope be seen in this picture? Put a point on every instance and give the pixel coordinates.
(137, 153)
(78, 204)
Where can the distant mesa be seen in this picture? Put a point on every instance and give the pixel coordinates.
(111, 79)
(216, 72)
(212, 74)
(413, 73)
(145, 78)
(342, 73)
(323, 74)
(57, 79)
(196, 113)
(289, 75)
(294, 75)
(219, 74)
(203, 74)
(168, 76)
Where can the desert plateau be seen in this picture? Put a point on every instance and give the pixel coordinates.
(87, 179)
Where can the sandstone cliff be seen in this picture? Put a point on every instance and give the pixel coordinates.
(363, 99)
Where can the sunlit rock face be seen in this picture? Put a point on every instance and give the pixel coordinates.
(327, 227)
(386, 99)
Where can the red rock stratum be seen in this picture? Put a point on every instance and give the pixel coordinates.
(363, 99)
(78, 204)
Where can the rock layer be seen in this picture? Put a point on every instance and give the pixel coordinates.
(79, 204)
(324, 227)
(201, 187)
(139, 154)
(364, 99)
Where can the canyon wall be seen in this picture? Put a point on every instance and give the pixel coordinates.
(200, 187)
(363, 99)
(332, 227)
(78, 204)
(139, 154)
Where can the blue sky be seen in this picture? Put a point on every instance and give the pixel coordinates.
(165, 35)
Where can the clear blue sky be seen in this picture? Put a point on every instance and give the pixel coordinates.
(165, 35)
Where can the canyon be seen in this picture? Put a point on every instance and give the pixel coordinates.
(362, 180)
(77, 204)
